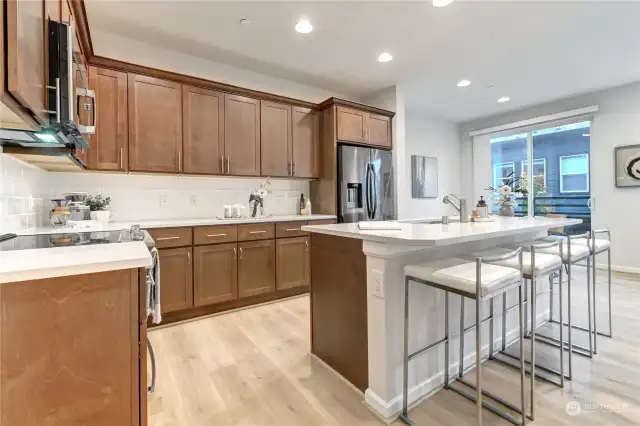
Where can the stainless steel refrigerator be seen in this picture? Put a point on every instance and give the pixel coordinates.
(365, 184)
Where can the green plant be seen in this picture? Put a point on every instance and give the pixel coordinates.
(97, 202)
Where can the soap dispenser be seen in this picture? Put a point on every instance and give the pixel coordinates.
(482, 208)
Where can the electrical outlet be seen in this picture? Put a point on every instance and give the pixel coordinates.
(193, 200)
(164, 200)
(377, 281)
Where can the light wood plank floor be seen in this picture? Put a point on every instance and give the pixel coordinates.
(252, 367)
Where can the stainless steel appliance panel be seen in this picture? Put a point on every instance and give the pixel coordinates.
(381, 187)
(353, 167)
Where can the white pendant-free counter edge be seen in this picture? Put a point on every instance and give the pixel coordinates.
(34, 264)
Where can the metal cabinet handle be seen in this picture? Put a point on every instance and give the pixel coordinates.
(293, 229)
(257, 232)
(235, 254)
(293, 173)
(179, 161)
(289, 169)
(228, 165)
(306, 242)
(189, 257)
(240, 252)
(167, 238)
(216, 235)
(152, 388)
(122, 158)
(222, 164)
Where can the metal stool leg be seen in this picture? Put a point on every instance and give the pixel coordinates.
(526, 311)
(609, 289)
(551, 297)
(522, 364)
(589, 307)
(461, 362)
(595, 308)
(504, 321)
(560, 302)
(491, 328)
(446, 343)
(479, 344)
(405, 371)
(569, 321)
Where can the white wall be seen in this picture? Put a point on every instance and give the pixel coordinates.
(431, 137)
(127, 50)
(21, 204)
(617, 122)
(152, 197)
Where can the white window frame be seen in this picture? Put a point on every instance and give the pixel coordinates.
(543, 161)
(562, 191)
(501, 166)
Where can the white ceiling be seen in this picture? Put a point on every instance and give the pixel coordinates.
(532, 51)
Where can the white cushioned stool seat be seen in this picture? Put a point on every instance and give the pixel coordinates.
(601, 243)
(579, 251)
(544, 262)
(460, 274)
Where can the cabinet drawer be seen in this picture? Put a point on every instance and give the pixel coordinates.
(290, 229)
(171, 237)
(258, 231)
(322, 222)
(215, 234)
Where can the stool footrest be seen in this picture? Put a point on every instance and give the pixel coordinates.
(577, 327)
(426, 348)
(552, 341)
(528, 371)
(485, 405)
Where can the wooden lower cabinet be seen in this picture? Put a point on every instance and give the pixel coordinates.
(176, 279)
(70, 348)
(215, 271)
(292, 263)
(256, 267)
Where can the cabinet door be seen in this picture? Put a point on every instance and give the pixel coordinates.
(305, 142)
(242, 135)
(292, 262)
(155, 124)
(352, 125)
(379, 130)
(275, 139)
(203, 130)
(176, 285)
(25, 55)
(215, 274)
(109, 145)
(256, 267)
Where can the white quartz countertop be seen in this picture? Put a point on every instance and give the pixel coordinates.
(170, 223)
(23, 265)
(437, 234)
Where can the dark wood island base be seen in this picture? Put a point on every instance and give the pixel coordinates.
(339, 306)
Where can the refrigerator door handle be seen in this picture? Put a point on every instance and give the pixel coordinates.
(374, 192)
(366, 192)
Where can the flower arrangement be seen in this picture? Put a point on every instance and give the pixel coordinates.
(97, 203)
(256, 199)
(512, 188)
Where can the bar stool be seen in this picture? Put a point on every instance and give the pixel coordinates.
(575, 252)
(480, 281)
(534, 265)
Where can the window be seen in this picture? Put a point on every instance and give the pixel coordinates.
(502, 171)
(574, 173)
(539, 173)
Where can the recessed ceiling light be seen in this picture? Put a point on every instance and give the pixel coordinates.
(442, 3)
(504, 99)
(586, 134)
(385, 57)
(245, 21)
(303, 26)
(463, 83)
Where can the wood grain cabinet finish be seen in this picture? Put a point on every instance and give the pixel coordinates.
(171, 237)
(256, 267)
(155, 124)
(242, 135)
(69, 352)
(352, 125)
(292, 263)
(379, 130)
(257, 231)
(275, 139)
(177, 279)
(203, 130)
(215, 274)
(109, 145)
(26, 79)
(305, 153)
(216, 234)
(290, 229)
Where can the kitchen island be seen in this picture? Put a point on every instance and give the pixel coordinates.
(357, 294)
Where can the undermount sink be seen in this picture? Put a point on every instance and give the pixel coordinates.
(431, 221)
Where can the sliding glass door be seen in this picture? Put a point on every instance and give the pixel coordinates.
(552, 164)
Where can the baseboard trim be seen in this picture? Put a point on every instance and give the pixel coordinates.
(617, 268)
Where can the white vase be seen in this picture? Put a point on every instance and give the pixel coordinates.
(101, 216)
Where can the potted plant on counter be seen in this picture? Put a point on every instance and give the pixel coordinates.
(512, 187)
(99, 208)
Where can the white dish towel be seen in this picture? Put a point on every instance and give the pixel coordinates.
(153, 288)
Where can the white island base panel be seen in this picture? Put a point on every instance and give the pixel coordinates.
(387, 255)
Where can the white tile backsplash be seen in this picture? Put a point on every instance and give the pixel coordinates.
(21, 191)
(153, 197)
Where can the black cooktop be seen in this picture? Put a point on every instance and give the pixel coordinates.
(25, 242)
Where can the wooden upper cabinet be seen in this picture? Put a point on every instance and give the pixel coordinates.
(109, 145)
(215, 274)
(155, 124)
(26, 79)
(379, 130)
(352, 125)
(242, 135)
(177, 279)
(305, 145)
(53, 9)
(203, 130)
(292, 263)
(256, 267)
(275, 139)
